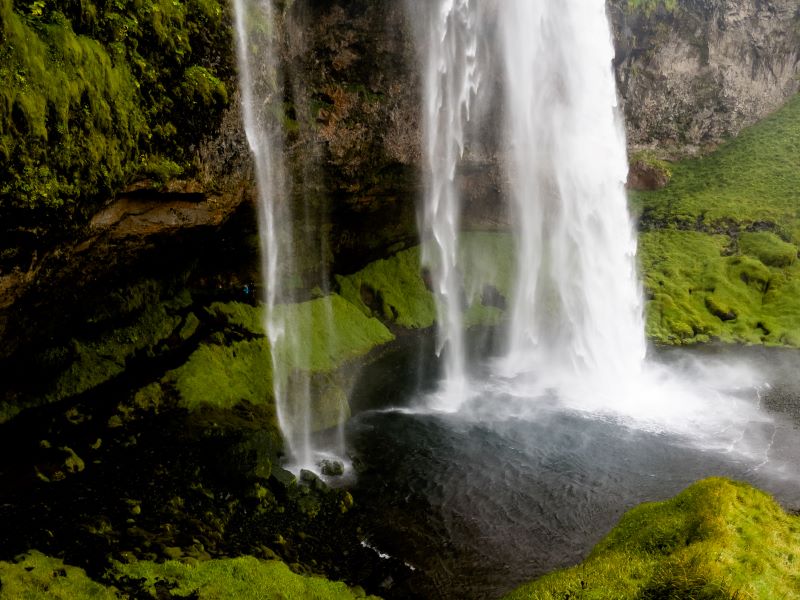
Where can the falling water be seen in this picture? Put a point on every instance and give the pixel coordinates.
(262, 100)
(577, 306)
(451, 80)
(576, 310)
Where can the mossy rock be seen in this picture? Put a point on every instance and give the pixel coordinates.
(35, 576)
(768, 248)
(324, 333)
(393, 290)
(697, 292)
(96, 361)
(245, 578)
(223, 376)
(716, 540)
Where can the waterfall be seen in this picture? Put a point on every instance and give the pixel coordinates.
(262, 105)
(577, 303)
(576, 309)
(451, 80)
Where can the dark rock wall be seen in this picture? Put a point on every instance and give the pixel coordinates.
(694, 75)
(688, 77)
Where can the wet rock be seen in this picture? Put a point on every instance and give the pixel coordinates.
(332, 468)
(283, 478)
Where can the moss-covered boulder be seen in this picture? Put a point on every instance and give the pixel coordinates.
(716, 540)
(35, 576)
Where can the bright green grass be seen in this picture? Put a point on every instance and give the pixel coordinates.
(717, 540)
(753, 178)
(697, 292)
(719, 250)
(244, 578)
(38, 577)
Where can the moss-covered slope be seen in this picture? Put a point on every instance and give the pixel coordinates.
(719, 244)
(94, 94)
(717, 540)
(35, 576)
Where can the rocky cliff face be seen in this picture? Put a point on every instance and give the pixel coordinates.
(688, 76)
(699, 72)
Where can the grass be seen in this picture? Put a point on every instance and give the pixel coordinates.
(245, 578)
(717, 540)
(35, 576)
(752, 180)
(719, 244)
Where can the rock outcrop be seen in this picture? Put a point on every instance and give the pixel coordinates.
(697, 73)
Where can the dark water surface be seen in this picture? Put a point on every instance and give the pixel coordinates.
(479, 506)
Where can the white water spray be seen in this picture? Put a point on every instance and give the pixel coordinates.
(259, 77)
(577, 309)
(451, 80)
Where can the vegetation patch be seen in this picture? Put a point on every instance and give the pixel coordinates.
(719, 245)
(35, 576)
(395, 289)
(749, 183)
(96, 94)
(717, 540)
(244, 577)
(392, 290)
(697, 290)
(95, 362)
(323, 333)
(225, 375)
(648, 7)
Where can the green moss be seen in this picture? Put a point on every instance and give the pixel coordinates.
(706, 273)
(331, 330)
(189, 327)
(768, 248)
(69, 119)
(35, 576)
(96, 361)
(752, 180)
(648, 7)
(392, 290)
(244, 577)
(326, 332)
(223, 376)
(241, 315)
(718, 539)
(696, 291)
(97, 93)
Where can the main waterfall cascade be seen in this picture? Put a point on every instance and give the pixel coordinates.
(576, 311)
(577, 304)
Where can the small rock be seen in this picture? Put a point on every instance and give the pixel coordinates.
(332, 468)
(73, 463)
